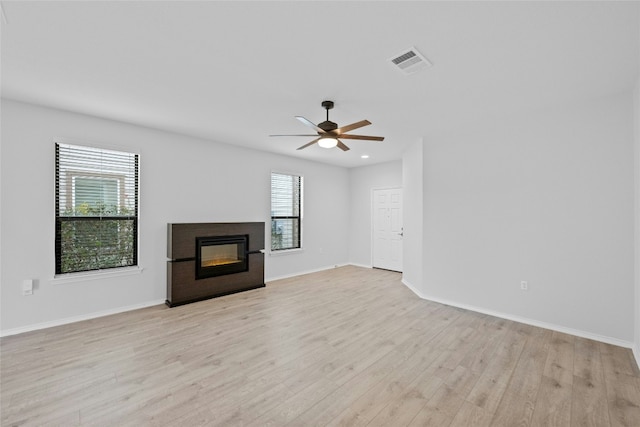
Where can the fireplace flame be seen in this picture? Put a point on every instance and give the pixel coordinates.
(219, 261)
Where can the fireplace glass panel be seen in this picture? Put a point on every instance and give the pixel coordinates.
(217, 256)
(220, 255)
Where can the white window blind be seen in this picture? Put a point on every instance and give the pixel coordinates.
(96, 209)
(286, 211)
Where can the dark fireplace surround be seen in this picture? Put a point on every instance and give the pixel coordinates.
(208, 260)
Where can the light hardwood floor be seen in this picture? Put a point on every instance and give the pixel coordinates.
(349, 346)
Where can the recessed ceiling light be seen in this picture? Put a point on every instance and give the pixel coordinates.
(364, 156)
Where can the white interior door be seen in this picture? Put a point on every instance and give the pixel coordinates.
(387, 229)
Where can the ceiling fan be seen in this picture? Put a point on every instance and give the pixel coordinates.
(329, 134)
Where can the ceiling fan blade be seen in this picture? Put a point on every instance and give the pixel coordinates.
(309, 123)
(352, 126)
(309, 143)
(296, 135)
(370, 138)
(342, 146)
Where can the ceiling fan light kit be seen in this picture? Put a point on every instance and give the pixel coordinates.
(327, 142)
(329, 134)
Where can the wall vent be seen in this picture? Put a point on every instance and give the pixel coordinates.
(410, 61)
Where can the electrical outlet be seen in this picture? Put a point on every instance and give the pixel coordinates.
(524, 285)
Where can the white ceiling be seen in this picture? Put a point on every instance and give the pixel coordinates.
(235, 72)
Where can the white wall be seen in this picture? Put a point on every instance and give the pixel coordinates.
(412, 244)
(636, 117)
(547, 198)
(183, 179)
(362, 181)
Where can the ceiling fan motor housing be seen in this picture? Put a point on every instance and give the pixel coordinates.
(328, 126)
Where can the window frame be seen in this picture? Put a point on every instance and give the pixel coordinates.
(300, 216)
(69, 200)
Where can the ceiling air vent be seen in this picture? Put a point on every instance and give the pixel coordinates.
(410, 61)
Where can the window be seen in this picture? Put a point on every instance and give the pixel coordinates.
(96, 209)
(286, 211)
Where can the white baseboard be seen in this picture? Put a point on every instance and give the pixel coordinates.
(532, 322)
(360, 265)
(74, 319)
(609, 340)
(300, 273)
(65, 321)
(636, 353)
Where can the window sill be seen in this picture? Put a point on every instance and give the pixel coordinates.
(286, 252)
(60, 279)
